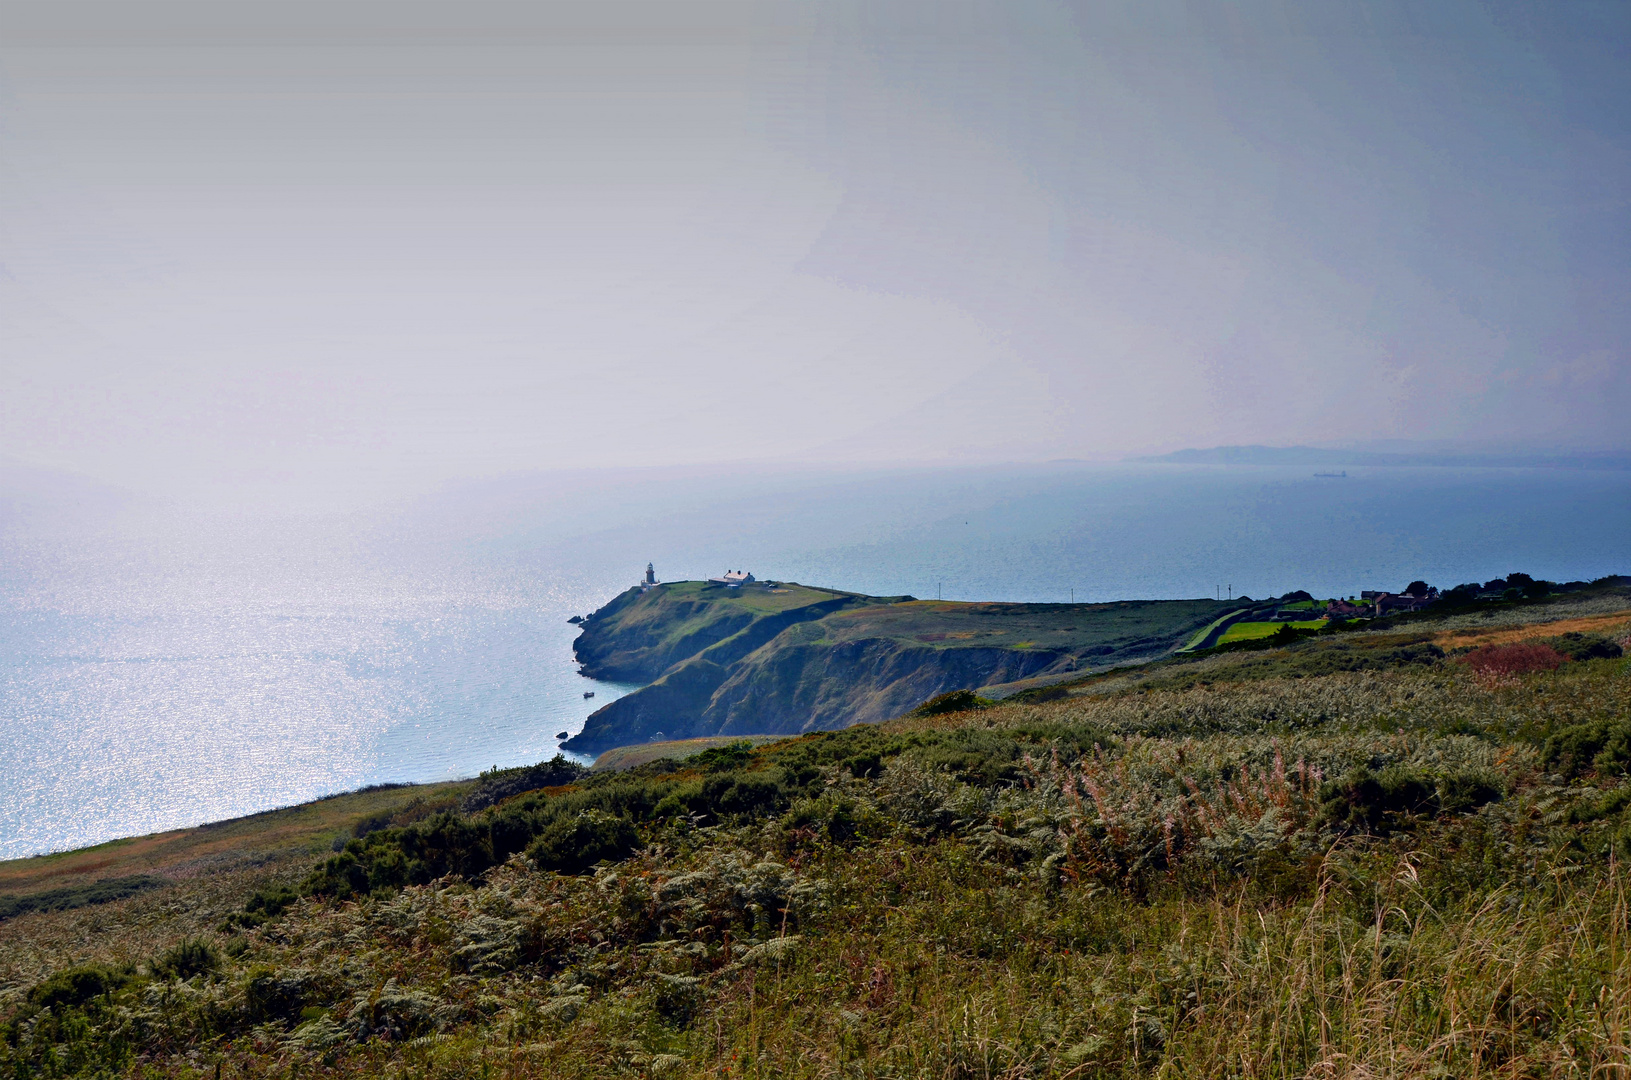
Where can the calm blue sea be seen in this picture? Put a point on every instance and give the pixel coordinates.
(162, 667)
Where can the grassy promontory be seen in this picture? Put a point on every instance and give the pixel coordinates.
(788, 659)
(1380, 853)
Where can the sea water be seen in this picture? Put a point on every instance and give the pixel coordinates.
(161, 666)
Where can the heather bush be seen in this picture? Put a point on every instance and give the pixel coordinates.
(1518, 658)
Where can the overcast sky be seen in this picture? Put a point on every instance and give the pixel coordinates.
(395, 243)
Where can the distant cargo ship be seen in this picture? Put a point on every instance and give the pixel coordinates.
(1343, 475)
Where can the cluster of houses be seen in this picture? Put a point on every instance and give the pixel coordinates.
(1388, 603)
(1370, 604)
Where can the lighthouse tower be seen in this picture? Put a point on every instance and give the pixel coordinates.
(651, 574)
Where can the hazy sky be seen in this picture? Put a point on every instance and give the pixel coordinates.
(393, 243)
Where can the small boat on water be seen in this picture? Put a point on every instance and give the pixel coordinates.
(588, 693)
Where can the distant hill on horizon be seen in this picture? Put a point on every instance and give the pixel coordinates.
(1325, 456)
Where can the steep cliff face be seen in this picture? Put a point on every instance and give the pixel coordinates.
(669, 708)
(797, 688)
(790, 660)
(788, 688)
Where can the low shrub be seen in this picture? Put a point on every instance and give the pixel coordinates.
(1609, 805)
(275, 994)
(1604, 746)
(263, 906)
(953, 701)
(495, 786)
(743, 795)
(186, 959)
(1384, 801)
(78, 985)
(831, 818)
(723, 758)
(1587, 647)
(573, 845)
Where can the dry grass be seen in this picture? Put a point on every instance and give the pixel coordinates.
(130, 931)
(1615, 625)
(1609, 602)
(214, 869)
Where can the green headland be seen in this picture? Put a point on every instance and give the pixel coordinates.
(787, 658)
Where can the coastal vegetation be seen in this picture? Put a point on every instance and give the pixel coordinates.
(1366, 853)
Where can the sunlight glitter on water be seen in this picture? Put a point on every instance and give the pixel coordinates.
(268, 681)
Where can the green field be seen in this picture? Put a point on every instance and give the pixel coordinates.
(1206, 631)
(1251, 631)
(1077, 629)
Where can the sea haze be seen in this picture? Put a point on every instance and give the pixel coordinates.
(161, 668)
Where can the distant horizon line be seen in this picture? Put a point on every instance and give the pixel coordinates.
(1257, 454)
(1425, 453)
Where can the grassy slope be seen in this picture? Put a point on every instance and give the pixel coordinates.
(640, 634)
(628, 757)
(785, 596)
(1155, 874)
(295, 830)
(211, 869)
